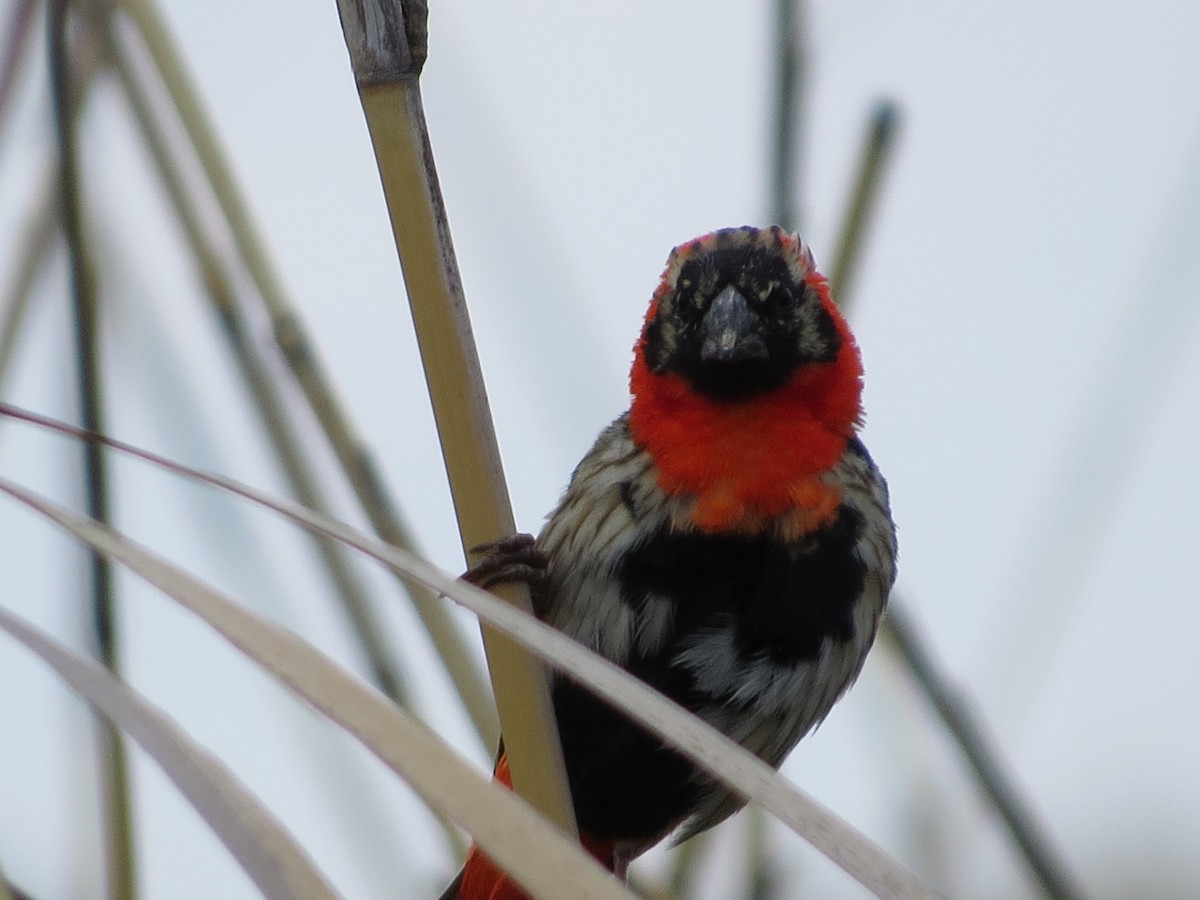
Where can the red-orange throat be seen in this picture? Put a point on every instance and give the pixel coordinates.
(756, 464)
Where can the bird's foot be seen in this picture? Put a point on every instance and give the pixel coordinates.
(513, 558)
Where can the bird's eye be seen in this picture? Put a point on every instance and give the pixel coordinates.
(780, 297)
(689, 300)
(687, 297)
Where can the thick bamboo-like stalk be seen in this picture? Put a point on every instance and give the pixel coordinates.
(112, 760)
(387, 49)
(353, 455)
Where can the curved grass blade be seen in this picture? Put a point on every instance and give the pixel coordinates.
(537, 855)
(753, 779)
(258, 841)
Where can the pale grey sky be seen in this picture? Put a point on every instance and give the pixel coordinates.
(1027, 318)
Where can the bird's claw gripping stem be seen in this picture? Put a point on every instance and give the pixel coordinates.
(515, 558)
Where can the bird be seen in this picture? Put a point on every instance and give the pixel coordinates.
(728, 540)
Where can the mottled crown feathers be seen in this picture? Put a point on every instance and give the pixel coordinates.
(789, 247)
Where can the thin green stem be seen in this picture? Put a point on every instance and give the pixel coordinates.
(218, 285)
(762, 881)
(16, 43)
(681, 881)
(33, 246)
(111, 748)
(353, 454)
(898, 630)
(83, 294)
(41, 224)
(785, 161)
(968, 733)
(876, 152)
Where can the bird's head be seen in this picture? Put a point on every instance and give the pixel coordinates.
(739, 312)
(744, 365)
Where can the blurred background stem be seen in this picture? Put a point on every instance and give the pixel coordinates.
(788, 34)
(113, 763)
(1032, 843)
(353, 454)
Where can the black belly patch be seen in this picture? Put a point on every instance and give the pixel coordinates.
(783, 602)
(784, 599)
(624, 783)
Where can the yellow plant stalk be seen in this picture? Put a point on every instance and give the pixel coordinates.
(386, 41)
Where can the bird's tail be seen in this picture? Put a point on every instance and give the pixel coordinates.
(482, 879)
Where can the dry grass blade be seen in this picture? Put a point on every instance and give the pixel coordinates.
(727, 761)
(539, 856)
(270, 856)
(730, 763)
(385, 39)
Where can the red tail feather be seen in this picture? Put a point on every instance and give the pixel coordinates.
(484, 880)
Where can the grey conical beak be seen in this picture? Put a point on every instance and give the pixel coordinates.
(733, 332)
